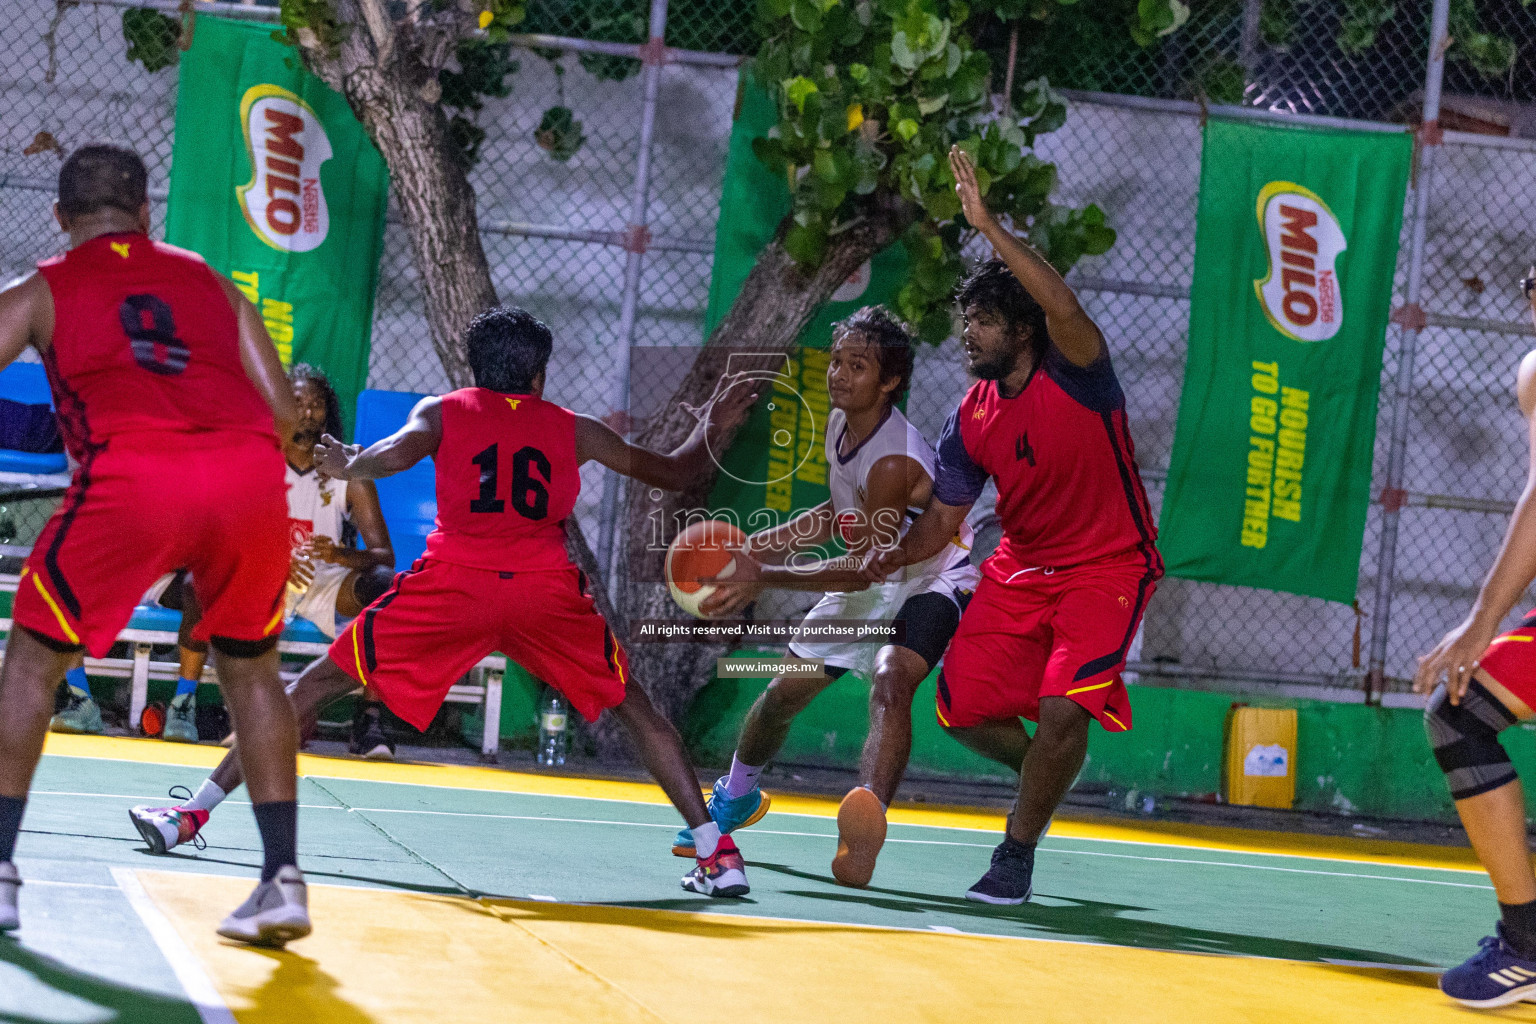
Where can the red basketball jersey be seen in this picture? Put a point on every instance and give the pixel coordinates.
(1068, 489)
(144, 341)
(506, 479)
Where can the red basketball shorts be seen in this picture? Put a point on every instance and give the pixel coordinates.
(439, 619)
(1051, 633)
(150, 504)
(1511, 662)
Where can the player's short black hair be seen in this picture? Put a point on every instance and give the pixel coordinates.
(892, 339)
(303, 373)
(508, 348)
(102, 176)
(992, 288)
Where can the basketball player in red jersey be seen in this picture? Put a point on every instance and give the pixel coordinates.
(1046, 633)
(496, 576)
(161, 371)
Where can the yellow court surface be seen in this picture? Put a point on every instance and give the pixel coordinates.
(452, 893)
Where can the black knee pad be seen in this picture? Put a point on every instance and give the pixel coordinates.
(243, 648)
(368, 586)
(1465, 739)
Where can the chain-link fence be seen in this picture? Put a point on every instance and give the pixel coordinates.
(564, 237)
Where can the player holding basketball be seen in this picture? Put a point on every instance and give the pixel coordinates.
(167, 388)
(1480, 683)
(496, 576)
(1046, 634)
(880, 477)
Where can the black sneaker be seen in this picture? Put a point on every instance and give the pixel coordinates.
(368, 738)
(1008, 881)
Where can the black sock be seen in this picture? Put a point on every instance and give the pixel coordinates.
(1520, 927)
(10, 824)
(279, 825)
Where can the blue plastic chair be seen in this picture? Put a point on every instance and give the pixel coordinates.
(27, 383)
(408, 500)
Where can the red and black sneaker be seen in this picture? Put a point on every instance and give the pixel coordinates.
(724, 873)
(165, 828)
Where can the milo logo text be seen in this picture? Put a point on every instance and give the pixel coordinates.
(284, 202)
(1301, 296)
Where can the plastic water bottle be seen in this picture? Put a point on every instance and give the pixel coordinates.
(552, 732)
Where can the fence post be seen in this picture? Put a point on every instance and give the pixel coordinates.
(1410, 321)
(637, 237)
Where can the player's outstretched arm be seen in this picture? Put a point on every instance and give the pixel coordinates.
(26, 317)
(259, 357)
(1456, 656)
(929, 533)
(1071, 328)
(415, 441)
(726, 409)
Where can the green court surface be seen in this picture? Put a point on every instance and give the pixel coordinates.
(436, 898)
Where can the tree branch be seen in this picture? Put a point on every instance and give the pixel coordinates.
(379, 27)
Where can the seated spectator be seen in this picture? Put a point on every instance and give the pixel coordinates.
(329, 581)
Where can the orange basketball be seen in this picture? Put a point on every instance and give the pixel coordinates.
(700, 551)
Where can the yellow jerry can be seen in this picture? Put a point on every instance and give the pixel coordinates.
(1261, 757)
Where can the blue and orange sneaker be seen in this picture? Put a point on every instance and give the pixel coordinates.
(729, 812)
(1496, 975)
(724, 873)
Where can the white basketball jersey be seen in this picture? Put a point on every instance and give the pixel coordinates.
(848, 479)
(316, 507)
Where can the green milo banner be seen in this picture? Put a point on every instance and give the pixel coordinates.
(1295, 250)
(275, 183)
(777, 465)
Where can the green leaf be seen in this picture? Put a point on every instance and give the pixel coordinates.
(906, 128)
(806, 14)
(806, 243)
(933, 104)
(559, 133)
(153, 38)
(859, 72)
(771, 153)
(824, 166)
(798, 90)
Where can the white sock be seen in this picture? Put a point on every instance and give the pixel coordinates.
(705, 838)
(207, 797)
(743, 778)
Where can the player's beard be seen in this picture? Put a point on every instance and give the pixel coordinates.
(996, 367)
(306, 437)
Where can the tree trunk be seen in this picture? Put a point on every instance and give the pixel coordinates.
(391, 85)
(776, 302)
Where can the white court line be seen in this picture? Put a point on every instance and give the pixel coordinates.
(940, 842)
(189, 971)
(829, 816)
(166, 796)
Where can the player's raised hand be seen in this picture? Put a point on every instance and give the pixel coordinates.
(968, 190)
(332, 457)
(729, 405)
(1455, 658)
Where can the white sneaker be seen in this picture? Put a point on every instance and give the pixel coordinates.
(10, 881)
(276, 913)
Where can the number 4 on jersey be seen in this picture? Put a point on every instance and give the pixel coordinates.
(530, 496)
